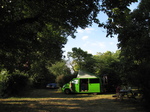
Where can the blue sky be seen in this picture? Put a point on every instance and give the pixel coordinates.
(93, 39)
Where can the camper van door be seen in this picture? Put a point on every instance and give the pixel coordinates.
(75, 85)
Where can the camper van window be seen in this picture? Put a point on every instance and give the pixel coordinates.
(75, 81)
(94, 81)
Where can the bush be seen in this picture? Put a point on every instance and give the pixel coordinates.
(63, 79)
(39, 80)
(12, 84)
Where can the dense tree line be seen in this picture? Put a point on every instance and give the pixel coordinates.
(33, 33)
(133, 32)
(102, 64)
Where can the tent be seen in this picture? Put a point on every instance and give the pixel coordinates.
(84, 74)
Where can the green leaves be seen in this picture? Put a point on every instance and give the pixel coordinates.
(81, 59)
(38, 29)
(59, 68)
(12, 84)
(118, 13)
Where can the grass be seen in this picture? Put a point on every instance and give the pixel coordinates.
(47, 100)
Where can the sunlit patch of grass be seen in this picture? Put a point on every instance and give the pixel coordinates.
(12, 103)
(55, 101)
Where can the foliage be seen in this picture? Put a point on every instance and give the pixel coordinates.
(138, 53)
(12, 84)
(38, 29)
(59, 68)
(81, 60)
(117, 12)
(133, 35)
(107, 64)
(39, 74)
(61, 72)
(63, 79)
(33, 33)
(45, 45)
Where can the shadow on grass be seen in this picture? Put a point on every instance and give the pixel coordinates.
(52, 93)
(54, 101)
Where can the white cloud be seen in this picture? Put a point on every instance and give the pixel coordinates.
(85, 37)
(86, 30)
(99, 44)
(89, 51)
(102, 44)
(86, 44)
(111, 43)
(94, 44)
(80, 30)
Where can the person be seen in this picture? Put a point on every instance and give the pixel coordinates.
(118, 92)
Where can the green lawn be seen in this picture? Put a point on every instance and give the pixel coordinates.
(46, 100)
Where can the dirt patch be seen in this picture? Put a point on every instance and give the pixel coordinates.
(55, 101)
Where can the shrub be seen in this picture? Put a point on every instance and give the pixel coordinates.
(63, 79)
(12, 84)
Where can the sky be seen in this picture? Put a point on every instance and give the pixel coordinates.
(93, 39)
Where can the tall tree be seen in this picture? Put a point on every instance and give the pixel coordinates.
(38, 29)
(107, 65)
(134, 41)
(117, 12)
(81, 60)
(59, 68)
(133, 35)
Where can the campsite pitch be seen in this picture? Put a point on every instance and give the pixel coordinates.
(47, 100)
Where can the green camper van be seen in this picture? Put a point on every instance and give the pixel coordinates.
(84, 83)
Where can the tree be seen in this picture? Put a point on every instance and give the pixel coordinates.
(133, 35)
(59, 68)
(12, 84)
(81, 60)
(107, 64)
(33, 32)
(39, 29)
(62, 72)
(117, 12)
(134, 41)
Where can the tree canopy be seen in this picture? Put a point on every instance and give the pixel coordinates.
(132, 28)
(38, 29)
(33, 33)
(81, 60)
(117, 12)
